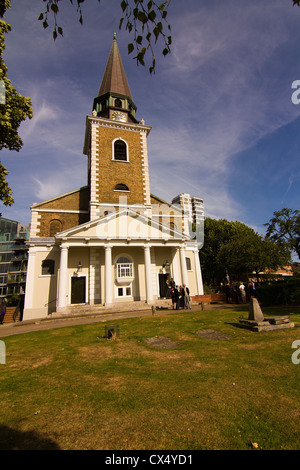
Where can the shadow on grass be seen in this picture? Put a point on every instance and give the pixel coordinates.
(13, 439)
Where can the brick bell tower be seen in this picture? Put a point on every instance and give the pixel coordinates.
(116, 145)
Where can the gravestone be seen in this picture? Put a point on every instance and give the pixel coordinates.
(112, 331)
(257, 322)
(255, 312)
(161, 342)
(213, 335)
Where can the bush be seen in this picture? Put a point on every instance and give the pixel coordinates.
(208, 289)
(279, 292)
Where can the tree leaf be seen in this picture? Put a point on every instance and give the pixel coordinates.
(54, 8)
(124, 5)
(152, 15)
(140, 58)
(130, 48)
(142, 17)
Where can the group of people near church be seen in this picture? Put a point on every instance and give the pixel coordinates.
(237, 292)
(180, 295)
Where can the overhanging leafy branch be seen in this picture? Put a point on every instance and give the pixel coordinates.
(147, 20)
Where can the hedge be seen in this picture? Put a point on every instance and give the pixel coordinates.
(279, 292)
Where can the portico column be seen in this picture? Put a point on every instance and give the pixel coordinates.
(175, 266)
(149, 293)
(108, 277)
(184, 274)
(30, 279)
(63, 278)
(198, 273)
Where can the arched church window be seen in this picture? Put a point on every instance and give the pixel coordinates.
(118, 103)
(48, 267)
(55, 226)
(120, 150)
(121, 187)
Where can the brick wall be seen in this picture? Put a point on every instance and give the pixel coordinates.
(75, 201)
(209, 298)
(113, 172)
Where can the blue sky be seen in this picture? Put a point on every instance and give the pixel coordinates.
(224, 127)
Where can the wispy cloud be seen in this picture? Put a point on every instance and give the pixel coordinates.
(234, 96)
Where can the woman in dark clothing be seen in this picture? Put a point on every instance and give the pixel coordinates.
(173, 297)
(2, 312)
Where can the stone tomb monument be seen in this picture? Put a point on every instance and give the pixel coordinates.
(257, 322)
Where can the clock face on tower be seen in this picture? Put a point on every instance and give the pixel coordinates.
(117, 116)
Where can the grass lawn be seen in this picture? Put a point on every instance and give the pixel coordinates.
(70, 388)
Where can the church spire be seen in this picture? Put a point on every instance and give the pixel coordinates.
(114, 78)
(114, 100)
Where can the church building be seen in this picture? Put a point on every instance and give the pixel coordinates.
(111, 241)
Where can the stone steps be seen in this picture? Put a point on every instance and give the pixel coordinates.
(10, 314)
(85, 309)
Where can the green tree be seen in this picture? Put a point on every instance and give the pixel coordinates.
(146, 20)
(284, 228)
(234, 249)
(14, 108)
(218, 233)
(249, 252)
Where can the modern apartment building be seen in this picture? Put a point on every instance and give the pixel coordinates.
(13, 257)
(192, 207)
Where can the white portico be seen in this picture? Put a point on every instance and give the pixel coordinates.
(122, 257)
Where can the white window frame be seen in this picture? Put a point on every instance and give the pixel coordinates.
(113, 150)
(124, 289)
(124, 272)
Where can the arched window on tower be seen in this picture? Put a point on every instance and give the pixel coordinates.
(121, 187)
(118, 103)
(120, 150)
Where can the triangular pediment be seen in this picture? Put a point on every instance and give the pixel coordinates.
(126, 224)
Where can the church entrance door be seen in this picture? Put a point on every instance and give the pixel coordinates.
(77, 290)
(163, 289)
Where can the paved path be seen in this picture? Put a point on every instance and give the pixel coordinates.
(10, 329)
